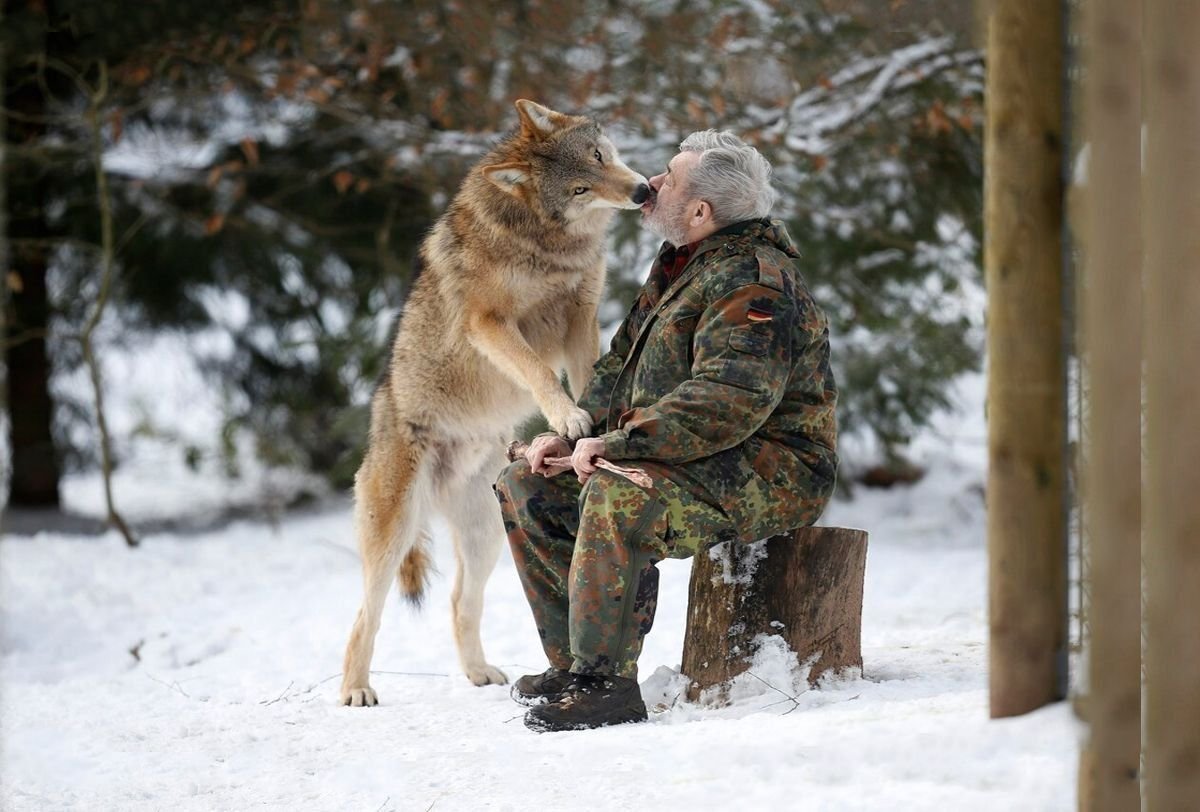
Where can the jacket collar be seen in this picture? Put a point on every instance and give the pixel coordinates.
(719, 237)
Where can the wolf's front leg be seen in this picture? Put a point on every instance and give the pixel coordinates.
(582, 346)
(500, 340)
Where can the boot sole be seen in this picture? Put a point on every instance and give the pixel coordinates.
(539, 725)
(533, 700)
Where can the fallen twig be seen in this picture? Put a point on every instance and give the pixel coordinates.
(787, 697)
(172, 685)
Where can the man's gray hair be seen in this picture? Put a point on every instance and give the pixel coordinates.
(732, 176)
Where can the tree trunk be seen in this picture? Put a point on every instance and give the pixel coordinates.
(1110, 305)
(1171, 499)
(806, 587)
(1026, 397)
(35, 467)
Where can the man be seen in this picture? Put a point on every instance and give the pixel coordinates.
(718, 386)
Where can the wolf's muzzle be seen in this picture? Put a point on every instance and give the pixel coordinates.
(641, 194)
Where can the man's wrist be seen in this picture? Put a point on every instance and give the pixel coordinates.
(615, 443)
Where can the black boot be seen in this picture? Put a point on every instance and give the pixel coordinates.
(590, 702)
(538, 689)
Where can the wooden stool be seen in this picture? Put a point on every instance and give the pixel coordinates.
(806, 586)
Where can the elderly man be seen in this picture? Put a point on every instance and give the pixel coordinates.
(718, 386)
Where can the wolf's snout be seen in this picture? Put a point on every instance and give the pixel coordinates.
(641, 194)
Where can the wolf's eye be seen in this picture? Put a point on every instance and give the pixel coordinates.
(580, 189)
(599, 157)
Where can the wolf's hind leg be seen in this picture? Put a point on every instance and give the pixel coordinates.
(388, 515)
(478, 533)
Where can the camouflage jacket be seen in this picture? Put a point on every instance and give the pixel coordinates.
(723, 376)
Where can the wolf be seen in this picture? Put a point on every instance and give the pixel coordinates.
(511, 279)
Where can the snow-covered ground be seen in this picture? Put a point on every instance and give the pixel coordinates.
(200, 673)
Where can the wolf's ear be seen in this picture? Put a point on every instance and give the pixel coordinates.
(507, 176)
(539, 121)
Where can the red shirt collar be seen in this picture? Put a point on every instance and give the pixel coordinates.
(676, 259)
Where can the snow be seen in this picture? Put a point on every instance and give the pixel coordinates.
(231, 700)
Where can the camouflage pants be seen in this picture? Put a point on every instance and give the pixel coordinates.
(587, 554)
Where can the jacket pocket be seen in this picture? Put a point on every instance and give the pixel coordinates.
(750, 338)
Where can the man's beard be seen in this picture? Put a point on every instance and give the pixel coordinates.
(668, 223)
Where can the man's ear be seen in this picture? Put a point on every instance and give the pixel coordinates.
(538, 121)
(701, 213)
(507, 177)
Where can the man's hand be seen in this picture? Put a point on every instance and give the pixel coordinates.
(584, 458)
(543, 447)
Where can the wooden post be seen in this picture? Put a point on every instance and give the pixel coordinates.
(1026, 397)
(806, 587)
(1111, 309)
(1171, 500)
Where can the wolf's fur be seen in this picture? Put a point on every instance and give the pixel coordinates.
(512, 278)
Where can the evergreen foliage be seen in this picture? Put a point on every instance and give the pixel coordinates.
(274, 165)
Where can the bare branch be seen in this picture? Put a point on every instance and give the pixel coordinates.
(107, 273)
(22, 337)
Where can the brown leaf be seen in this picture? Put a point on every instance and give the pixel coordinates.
(363, 185)
(15, 283)
(720, 33)
(117, 121)
(285, 83)
(342, 181)
(250, 150)
(718, 103)
(437, 107)
(214, 224)
(819, 162)
(214, 176)
(136, 77)
(826, 83)
(937, 120)
(317, 94)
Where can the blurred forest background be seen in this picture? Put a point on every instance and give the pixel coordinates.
(256, 177)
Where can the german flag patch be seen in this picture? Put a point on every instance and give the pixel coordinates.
(757, 314)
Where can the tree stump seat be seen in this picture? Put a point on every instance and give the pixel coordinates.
(805, 586)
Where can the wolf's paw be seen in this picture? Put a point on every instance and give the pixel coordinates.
(486, 675)
(571, 422)
(360, 697)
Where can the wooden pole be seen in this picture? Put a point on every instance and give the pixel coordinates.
(1026, 397)
(1171, 501)
(1111, 304)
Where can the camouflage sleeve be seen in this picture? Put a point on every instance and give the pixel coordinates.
(742, 361)
(598, 392)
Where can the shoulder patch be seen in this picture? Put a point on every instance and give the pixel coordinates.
(770, 274)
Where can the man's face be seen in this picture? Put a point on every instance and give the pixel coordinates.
(666, 212)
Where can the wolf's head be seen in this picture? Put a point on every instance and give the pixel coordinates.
(564, 166)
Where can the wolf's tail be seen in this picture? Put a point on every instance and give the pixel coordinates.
(415, 570)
